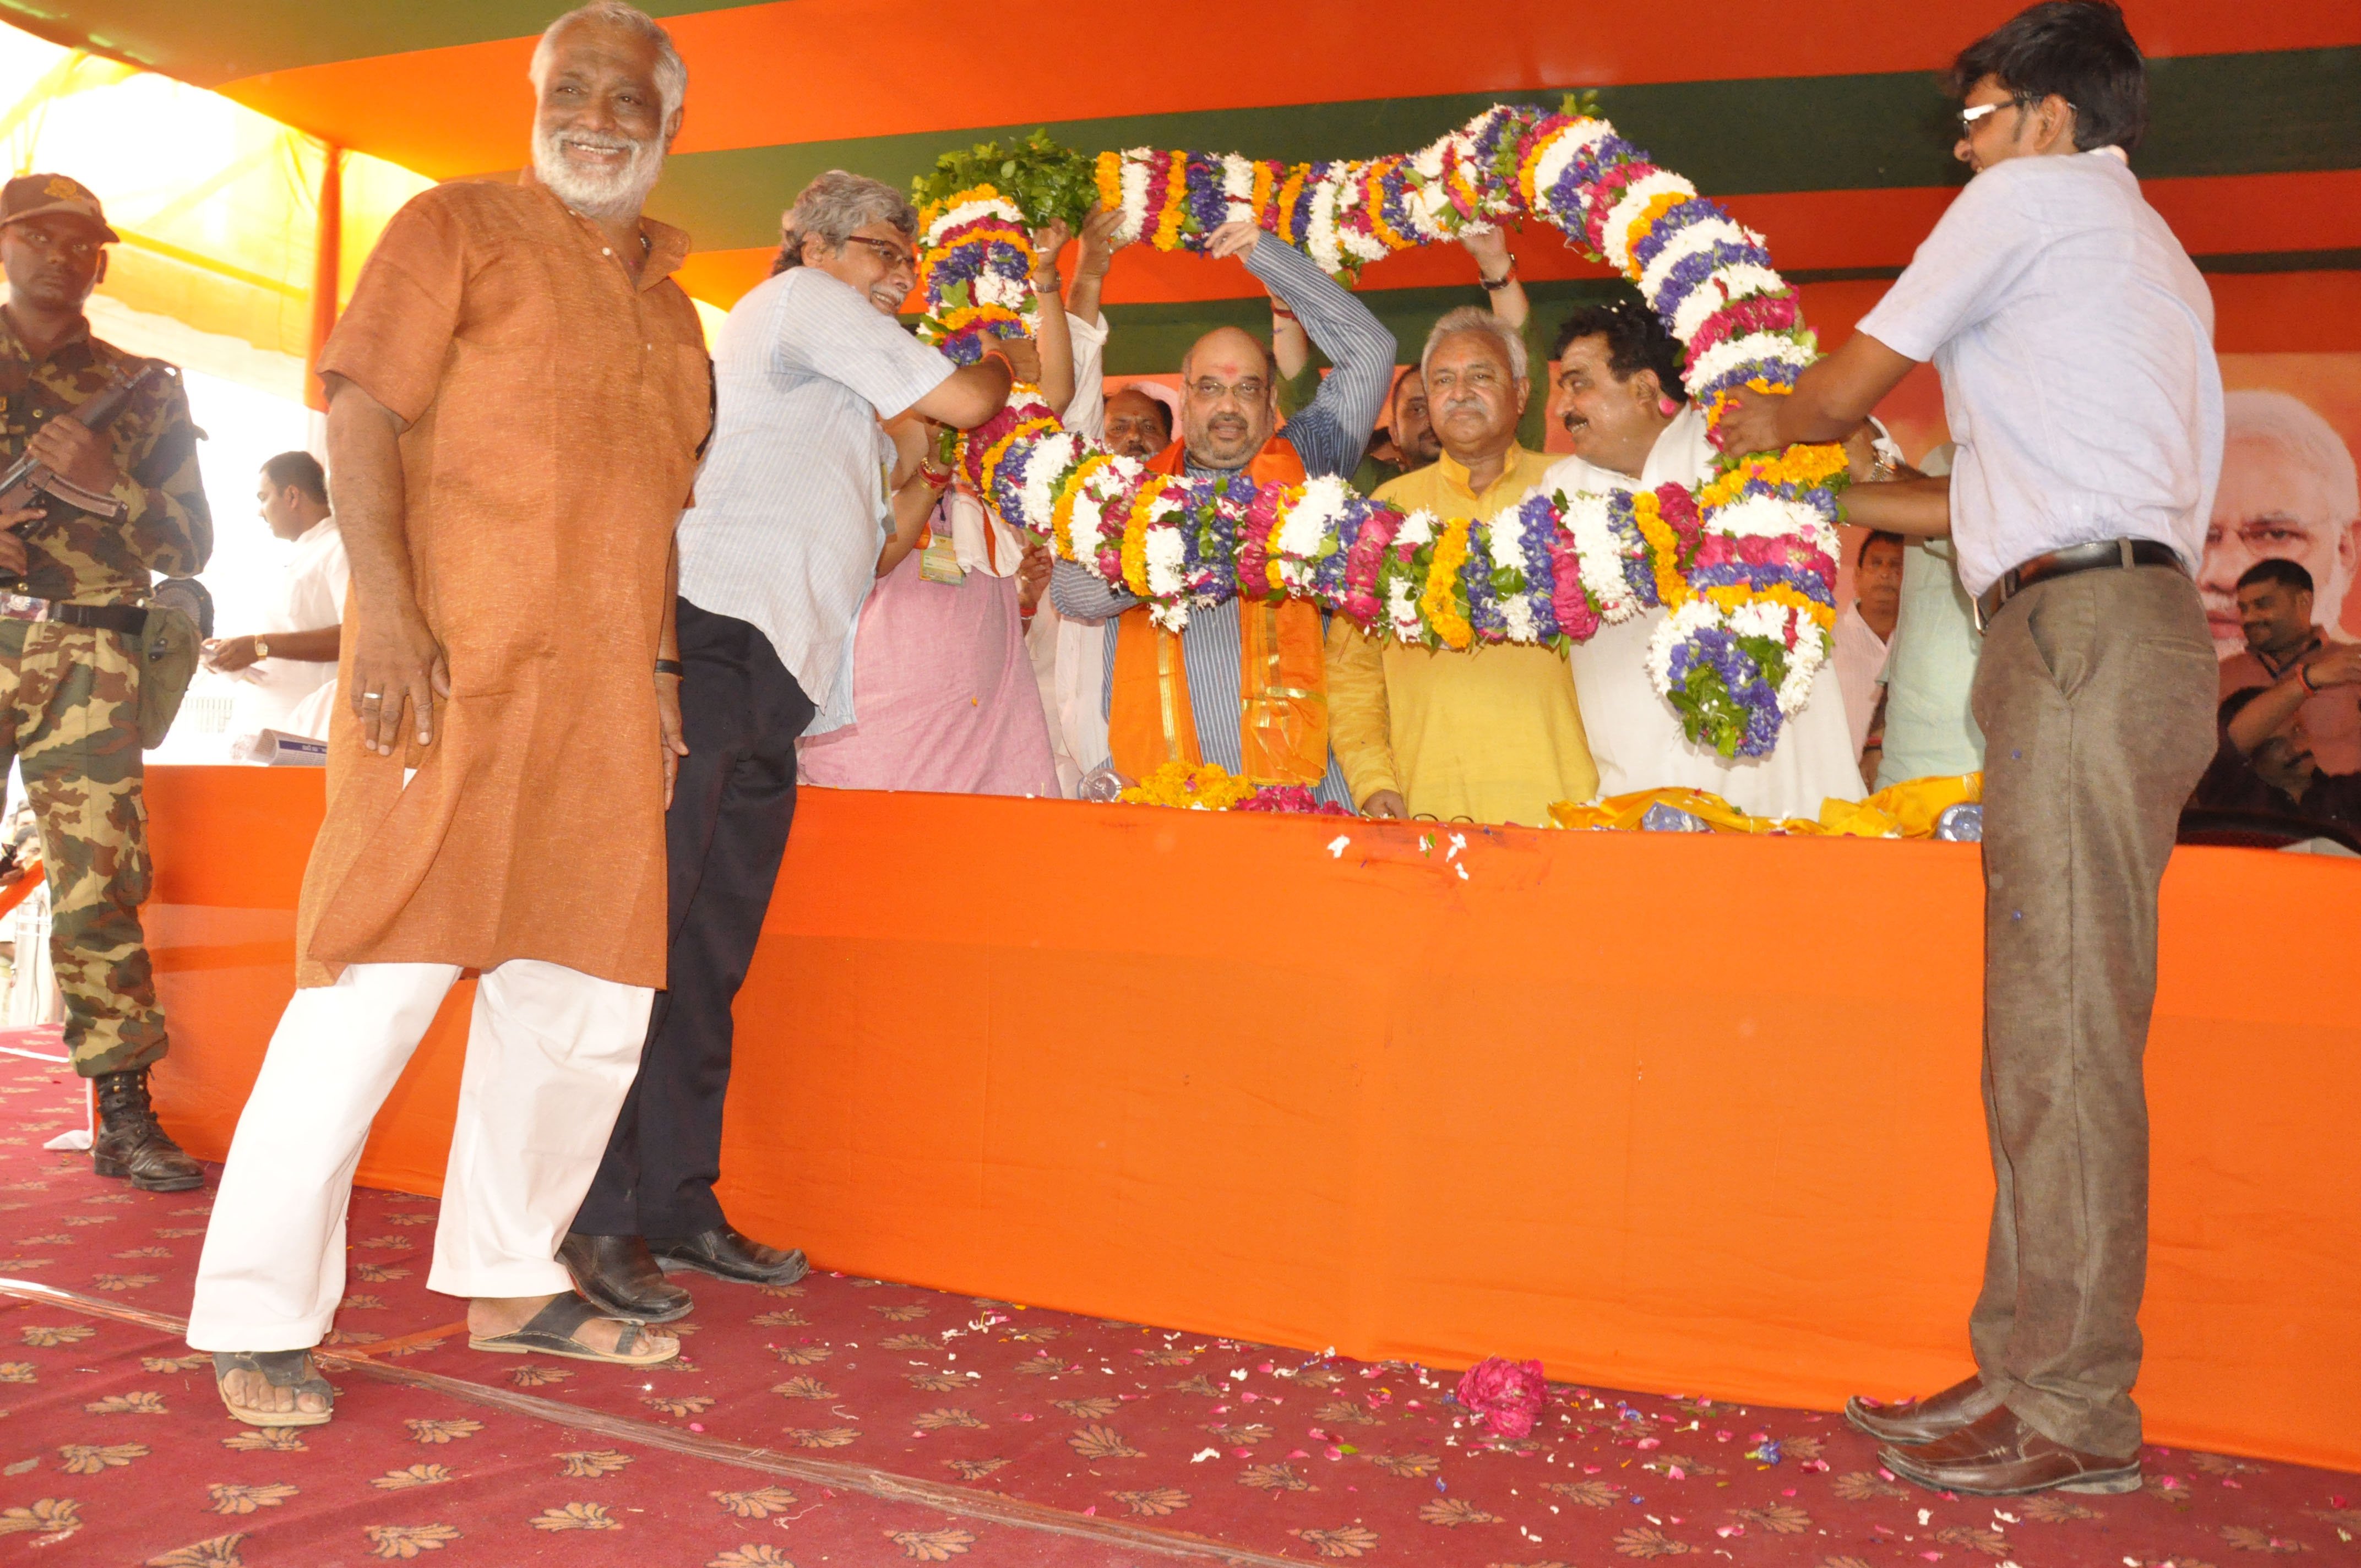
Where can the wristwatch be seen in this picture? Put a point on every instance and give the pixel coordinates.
(262, 647)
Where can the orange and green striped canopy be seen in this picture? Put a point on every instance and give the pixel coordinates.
(1819, 122)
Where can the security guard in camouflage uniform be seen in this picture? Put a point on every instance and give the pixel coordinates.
(70, 643)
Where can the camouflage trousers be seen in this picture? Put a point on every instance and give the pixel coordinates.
(69, 715)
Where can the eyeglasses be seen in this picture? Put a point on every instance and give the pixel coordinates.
(1249, 391)
(896, 258)
(1971, 118)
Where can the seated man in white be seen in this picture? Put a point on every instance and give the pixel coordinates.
(1619, 394)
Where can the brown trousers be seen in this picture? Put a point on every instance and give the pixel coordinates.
(2096, 696)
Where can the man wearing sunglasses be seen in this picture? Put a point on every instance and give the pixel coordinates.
(2074, 340)
(797, 498)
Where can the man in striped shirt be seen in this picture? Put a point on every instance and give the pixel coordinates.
(1243, 687)
(800, 491)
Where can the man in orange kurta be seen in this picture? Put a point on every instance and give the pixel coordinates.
(519, 393)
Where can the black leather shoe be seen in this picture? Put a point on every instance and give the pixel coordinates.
(725, 1254)
(131, 1145)
(1916, 1421)
(616, 1274)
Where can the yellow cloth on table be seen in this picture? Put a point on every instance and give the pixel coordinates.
(1907, 810)
(1493, 734)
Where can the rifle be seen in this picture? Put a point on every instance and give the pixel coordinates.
(29, 478)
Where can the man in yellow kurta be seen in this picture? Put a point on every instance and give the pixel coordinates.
(1492, 734)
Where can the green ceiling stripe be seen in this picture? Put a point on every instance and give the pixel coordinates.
(251, 36)
(2250, 114)
(2283, 261)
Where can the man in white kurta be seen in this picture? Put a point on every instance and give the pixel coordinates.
(1635, 736)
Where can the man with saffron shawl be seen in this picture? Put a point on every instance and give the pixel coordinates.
(1243, 686)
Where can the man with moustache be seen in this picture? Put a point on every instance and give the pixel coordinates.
(1490, 733)
(1243, 686)
(1619, 396)
(2275, 606)
(518, 393)
(70, 646)
(802, 504)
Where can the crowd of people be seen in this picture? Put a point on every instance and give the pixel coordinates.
(642, 593)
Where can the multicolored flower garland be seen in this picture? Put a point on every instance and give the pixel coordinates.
(975, 272)
(1744, 567)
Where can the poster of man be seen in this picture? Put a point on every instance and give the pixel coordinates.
(2289, 491)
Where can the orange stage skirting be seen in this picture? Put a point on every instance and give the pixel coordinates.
(1694, 1115)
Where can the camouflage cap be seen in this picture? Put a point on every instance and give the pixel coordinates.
(39, 195)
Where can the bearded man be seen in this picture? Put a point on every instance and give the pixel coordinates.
(1490, 733)
(1243, 686)
(518, 395)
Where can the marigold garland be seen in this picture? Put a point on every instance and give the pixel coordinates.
(1744, 566)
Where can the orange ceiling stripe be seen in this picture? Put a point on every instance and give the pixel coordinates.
(2233, 214)
(828, 69)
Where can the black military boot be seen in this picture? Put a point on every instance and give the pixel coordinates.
(129, 1142)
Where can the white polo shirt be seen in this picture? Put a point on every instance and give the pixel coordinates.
(2075, 343)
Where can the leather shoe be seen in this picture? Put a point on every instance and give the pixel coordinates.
(1915, 1421)
(617, 1275)
(132, 1144)
(1998, 1456)
(726, 1254)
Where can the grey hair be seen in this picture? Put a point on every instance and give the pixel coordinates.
(672, 72)
(2296, 428)
(835, 205)
(1475, 318)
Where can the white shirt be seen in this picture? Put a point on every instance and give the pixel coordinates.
(1635, 736)
(308, 597)
(2074, 339)
(791, 502)
(1068, 655)
(1860, 661)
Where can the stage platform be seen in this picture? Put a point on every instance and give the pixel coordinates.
(844, 1420)
(1688, 1113)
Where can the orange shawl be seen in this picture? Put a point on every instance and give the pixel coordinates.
(1282, 674)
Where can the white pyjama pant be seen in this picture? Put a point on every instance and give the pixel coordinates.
(550, 1053)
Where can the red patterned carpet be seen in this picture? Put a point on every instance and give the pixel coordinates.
(854, 1421)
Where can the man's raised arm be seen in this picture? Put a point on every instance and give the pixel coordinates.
(1331, 433)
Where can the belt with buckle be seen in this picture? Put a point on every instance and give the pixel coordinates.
(2066, 562)
(128, 619)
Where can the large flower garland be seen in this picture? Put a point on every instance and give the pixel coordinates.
(1745, 566)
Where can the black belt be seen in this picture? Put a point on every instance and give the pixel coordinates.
(128, 619)
(2066, 562)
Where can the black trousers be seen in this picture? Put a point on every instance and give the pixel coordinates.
(741, 712)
